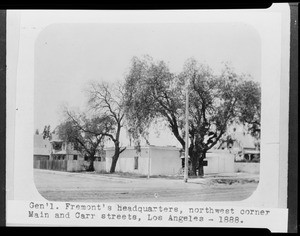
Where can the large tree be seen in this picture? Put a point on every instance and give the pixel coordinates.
(153, 92)
(86, 134)
(106, 99)
(250, 107)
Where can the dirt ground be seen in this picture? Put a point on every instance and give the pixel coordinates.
(91, 187)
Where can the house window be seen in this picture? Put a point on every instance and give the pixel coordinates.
(75, 146)
(136, 162)
(75, 157)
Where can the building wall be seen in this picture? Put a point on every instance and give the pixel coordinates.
(71, 157)
(126, 161)
(219, 162)
(100, 166)
(41, 146)
(246, 167)
(165, 161)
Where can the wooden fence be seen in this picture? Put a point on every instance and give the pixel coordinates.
(61, 165)
(68, 165)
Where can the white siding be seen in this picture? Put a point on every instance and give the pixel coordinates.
(126, 161)
(165, 161)
(219, 162)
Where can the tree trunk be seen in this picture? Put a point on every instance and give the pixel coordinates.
(197, 158)
(194, 160)
(115, 158)
(201, 171)
(113, 164)
(194, 168)
(91, 164)
(200, 165)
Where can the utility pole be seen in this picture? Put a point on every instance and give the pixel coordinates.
(149, 162)
(185, 178)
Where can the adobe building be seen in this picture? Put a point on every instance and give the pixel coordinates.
(156, 160)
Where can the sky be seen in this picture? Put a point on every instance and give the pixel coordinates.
(68, 56)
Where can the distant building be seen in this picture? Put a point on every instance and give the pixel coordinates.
(242, 144)
(41, 148)
(54, 149)
(61, 150)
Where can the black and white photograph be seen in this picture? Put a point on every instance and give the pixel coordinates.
(182, 114)
(110, 108)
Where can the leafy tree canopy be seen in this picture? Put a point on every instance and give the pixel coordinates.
(152, 91)
(87, 134)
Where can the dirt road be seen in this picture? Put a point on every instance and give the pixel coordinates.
(65, 186)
